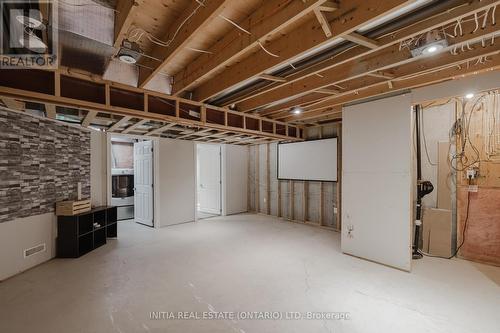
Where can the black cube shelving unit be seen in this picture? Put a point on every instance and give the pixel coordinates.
(82, 233)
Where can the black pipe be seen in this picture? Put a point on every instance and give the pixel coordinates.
(418, 14)
(418, 216)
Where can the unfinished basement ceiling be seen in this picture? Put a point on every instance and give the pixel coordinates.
(307, 58)
(243, 66)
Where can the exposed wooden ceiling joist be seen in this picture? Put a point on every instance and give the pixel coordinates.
(135, 126)
(180, 34)
(50, 110)
(160, 129)
(349, 17)
(272, 78)
(89, 118)
(271, 17)
(361, 40)
(119, 124)
(13, 104)
(423, 66)
(194, 133)
(382, 88)
(124, 16)
(350, 65)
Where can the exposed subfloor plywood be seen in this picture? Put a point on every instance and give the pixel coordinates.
(245, 263)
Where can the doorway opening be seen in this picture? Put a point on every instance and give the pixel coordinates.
(208, 180)
(132, 177)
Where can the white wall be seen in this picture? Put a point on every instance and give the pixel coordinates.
(21, 234)
(98, 168)
(377, 181)
(177, 182)
(234, 179)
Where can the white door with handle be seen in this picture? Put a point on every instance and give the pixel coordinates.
(143, 182)
(209, 178)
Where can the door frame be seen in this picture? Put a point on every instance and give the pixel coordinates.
(222, 178)
(156, 168)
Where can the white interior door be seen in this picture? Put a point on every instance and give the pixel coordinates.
(143, 182)
(209, 178)
(377, 181)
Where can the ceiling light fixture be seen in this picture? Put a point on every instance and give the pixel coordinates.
(296, 110)
(433, 42)
(469, 95)
(130, 52)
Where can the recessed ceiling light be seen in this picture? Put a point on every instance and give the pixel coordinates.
(432, 48)
(433, 42)
(469, 95)
(127, 59)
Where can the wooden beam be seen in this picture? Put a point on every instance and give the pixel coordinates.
(179, 39)
(323, 21)
(343, 63)
(374, 62)
(160, 130)
(270, 18)
(135, 126)
(272, 78)
(89, 118)
(50, 111)
(194, 133)
(420, 67)
(361, 40)
(212, 137)
(414, 81)
(329, 6)
(308, 36)
(384, 76)
(79, 101)
(327, 91)
(124, 16)
(119, 124)
(11, 103)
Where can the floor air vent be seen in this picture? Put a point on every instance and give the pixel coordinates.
(33, 250)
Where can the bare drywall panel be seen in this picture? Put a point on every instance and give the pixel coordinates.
(98, 168)
(457, 87)
(234, 173)
(376, 181)
(177, 182)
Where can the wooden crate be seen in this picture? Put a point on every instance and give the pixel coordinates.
(70, 208)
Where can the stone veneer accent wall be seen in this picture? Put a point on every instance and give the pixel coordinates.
(41, 162)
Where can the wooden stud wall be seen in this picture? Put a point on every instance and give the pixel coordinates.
(308, 202)
(84, 91)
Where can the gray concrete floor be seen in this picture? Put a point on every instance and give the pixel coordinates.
(245, 263)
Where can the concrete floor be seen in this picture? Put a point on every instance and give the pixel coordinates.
(245, 263)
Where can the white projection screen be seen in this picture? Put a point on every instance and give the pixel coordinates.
(309, 160)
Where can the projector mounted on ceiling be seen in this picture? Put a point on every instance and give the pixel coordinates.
(433, 42)
(130, 52)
